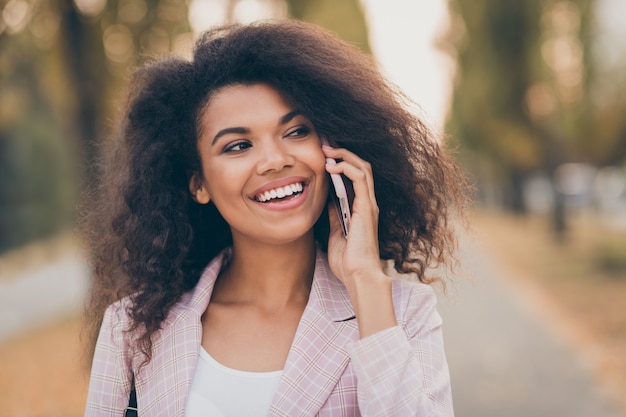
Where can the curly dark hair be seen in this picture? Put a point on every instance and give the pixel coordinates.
(150, 241)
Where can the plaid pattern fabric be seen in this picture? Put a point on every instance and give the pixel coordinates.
(400, 371)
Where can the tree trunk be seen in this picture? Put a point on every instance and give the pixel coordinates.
(86, 67)
(515, 199)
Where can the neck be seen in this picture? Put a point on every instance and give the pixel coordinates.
(269, 276)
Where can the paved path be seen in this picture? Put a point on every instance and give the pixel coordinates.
(505, 361)
(43, 295)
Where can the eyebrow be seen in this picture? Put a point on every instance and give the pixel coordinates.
(289, 116)
(244, 130)
(238, 130)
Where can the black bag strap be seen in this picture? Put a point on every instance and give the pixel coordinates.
(131, 410)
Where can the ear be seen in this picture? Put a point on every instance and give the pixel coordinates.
(198, 190)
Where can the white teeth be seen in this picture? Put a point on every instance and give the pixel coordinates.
(280, 192)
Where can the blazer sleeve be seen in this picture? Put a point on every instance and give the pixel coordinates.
(402, 371)
(111, 375)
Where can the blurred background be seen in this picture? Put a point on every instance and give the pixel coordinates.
(529, 94)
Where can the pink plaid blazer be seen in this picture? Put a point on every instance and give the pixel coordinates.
(400, 371)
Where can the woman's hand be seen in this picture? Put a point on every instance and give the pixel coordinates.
(355, 260)
(358, 253)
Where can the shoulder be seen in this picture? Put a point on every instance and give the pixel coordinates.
(415, 304)
(407, 292)
(116, 316)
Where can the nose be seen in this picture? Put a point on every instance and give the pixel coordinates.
(274, 156)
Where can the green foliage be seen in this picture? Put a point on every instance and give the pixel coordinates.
(610, 257)
(344, 17)
(38, 178)
(37, 182)
(495, 67)
(524, 95)
(60, 65)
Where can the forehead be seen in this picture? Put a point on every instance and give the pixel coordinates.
(243, 102)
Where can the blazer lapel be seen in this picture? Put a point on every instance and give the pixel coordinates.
(175, 351)
(318, 355)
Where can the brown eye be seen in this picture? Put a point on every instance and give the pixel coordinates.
(237, 146)
(299, 132)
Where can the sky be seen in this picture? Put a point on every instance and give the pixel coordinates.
(402, 36)
(611, 33)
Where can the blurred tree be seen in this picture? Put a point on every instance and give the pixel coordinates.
(494, 73)
(36, 195)
(344, 17)
(101, 41)
(521, 101)
(607, 86)
(87, 78)
(61, 61)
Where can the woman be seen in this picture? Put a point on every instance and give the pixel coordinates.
(221, 162)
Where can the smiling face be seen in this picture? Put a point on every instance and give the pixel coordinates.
(262, 165)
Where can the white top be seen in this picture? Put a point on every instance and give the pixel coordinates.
(219, 391)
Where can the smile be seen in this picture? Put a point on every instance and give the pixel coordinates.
(280, 192)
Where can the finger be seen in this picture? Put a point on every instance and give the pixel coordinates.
(362, 181)
(362, 171)
(351, 158)
(348, 156)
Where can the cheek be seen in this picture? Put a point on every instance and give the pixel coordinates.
(324, 182)
(317, 162)
(316, 159)
(223, 183)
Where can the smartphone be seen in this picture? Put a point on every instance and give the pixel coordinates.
(342, 194)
